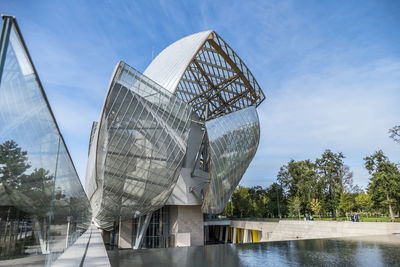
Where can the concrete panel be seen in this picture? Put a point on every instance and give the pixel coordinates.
(293, 230)
(182, 240)
(188, 219)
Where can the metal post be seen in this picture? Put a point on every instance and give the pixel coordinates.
(5, 36)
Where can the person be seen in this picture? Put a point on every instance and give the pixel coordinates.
(311, 218)
(352, 218)
(357, 218)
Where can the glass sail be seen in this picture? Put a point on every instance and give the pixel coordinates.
(43, 207)
(138, 148)
(233, 141)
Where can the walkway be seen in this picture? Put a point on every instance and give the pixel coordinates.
(87, 251)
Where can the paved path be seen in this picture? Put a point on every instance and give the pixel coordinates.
(88, 250)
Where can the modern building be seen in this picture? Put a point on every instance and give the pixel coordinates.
(172, 144)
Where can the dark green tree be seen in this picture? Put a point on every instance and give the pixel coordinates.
(259, 201)
(334, 176)
(277, 201)
(299, 178)
(242, 202)
(13, 165)
(384, 184)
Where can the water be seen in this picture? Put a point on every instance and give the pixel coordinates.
(371, 251)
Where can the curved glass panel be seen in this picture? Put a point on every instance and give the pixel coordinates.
(233, 140)
(141, 141)
(43, 207)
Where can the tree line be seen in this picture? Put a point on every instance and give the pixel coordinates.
(323, 187)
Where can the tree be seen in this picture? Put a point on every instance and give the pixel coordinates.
(228, 210)
(315, 206)
(295, 206)
(276, 198)
(346, 203)
(395, 133)
(242, 202)
(334, 176)
(259, 200)
(13, 165)
(299, 178)
(363, 201)
(384, 184)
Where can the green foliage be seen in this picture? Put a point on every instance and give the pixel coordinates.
(334, 177)
(13, 164)
(346, 203)
(315, 206)
(363, 201)
(384, 186)
(242, 202)
(300, 180)
(30, 192)
(294, 207)
(321, 187)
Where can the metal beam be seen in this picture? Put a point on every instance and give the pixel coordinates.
(233, 65)
(229, 80)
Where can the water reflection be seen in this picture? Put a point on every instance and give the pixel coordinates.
(319, 252)
(36, 215)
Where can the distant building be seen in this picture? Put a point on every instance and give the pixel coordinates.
(172, 143)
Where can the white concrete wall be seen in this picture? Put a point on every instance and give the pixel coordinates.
(289, 230)
(293, 230)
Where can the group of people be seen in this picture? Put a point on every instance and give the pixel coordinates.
(355, 218)
(308, 218)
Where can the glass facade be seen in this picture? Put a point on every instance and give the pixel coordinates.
(233, 140)
(43, 207)
(137, 149)
(157, 233)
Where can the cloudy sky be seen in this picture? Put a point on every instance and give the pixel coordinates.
(330, 71)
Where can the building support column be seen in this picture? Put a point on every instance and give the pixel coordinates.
(234, 235)
(221, 232)
(226, 234)
(141, 230)
(244, 235)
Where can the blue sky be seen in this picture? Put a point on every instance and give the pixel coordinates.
(330, 70)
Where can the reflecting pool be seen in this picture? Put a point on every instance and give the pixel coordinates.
(371, 251)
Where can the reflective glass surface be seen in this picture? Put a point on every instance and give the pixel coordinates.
(137, 149)
(233, 141)
(43, 207)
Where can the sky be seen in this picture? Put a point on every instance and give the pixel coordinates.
(330, 70)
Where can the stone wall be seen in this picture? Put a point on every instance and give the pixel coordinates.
(187, 219)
